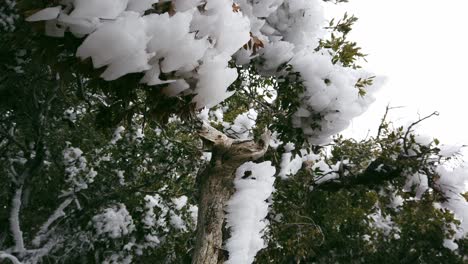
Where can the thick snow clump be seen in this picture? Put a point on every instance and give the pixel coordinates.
(188, 48)
(247, 210)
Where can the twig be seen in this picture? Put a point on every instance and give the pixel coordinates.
(405, 138)
(384, 118)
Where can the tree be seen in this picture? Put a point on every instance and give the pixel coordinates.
(126, 164)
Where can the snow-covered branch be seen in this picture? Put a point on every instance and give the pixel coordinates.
(59, 212)
(15, 221)
(4, 255)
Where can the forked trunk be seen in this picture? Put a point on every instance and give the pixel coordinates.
(216, 187)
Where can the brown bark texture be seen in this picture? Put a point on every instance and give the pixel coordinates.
(216, 187)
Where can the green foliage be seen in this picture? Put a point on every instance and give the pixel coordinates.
(362, 83)
(332, 222)
(342, 50)
(50, 102)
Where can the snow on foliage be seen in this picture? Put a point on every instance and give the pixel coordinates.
(189, 47)
(150, 217)
(454, 182)
(114, 222)
(242, 125)
(383, 223)
(247, 210)
(79, 175)
(8, 15)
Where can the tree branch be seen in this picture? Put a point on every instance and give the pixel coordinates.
(405, 138)
(15, 221)
(56, 215)
(4, 255)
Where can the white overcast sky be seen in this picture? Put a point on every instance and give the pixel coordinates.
(421, 46)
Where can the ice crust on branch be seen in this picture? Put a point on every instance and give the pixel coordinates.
(188, 48)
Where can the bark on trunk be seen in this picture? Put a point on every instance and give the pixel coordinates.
(216, 187)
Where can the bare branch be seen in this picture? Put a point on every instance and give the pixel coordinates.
(214, 136)
(384, 118)
(405, 138)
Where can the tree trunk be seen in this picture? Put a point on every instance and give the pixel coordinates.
(216, 187)
(215, 190)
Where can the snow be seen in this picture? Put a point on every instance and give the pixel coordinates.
(275, 142)
(383, 223)
(247, 209)
(45, 14)
(242, 125)
(193, 209)
(8, 15)
(128, 56)
(78, 173)
(454, 182)
(177, 222)
(152, 239)
(289, 166)
(277, 53)
(15, 221)
(114, 222)
(164, 32)
(140, 5)
(120, 176)
(337, 101)
(194, 43)
(70, 115)
(117, 134)
(78, 26)
(184, 5)
(450, 244)
(180, 202)
(13, 259)
(176, 87)
(214, 78)
(105, 9)
(420, 181)
(230, 29)
(58, 213)
(118, 259)
(150, 220)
